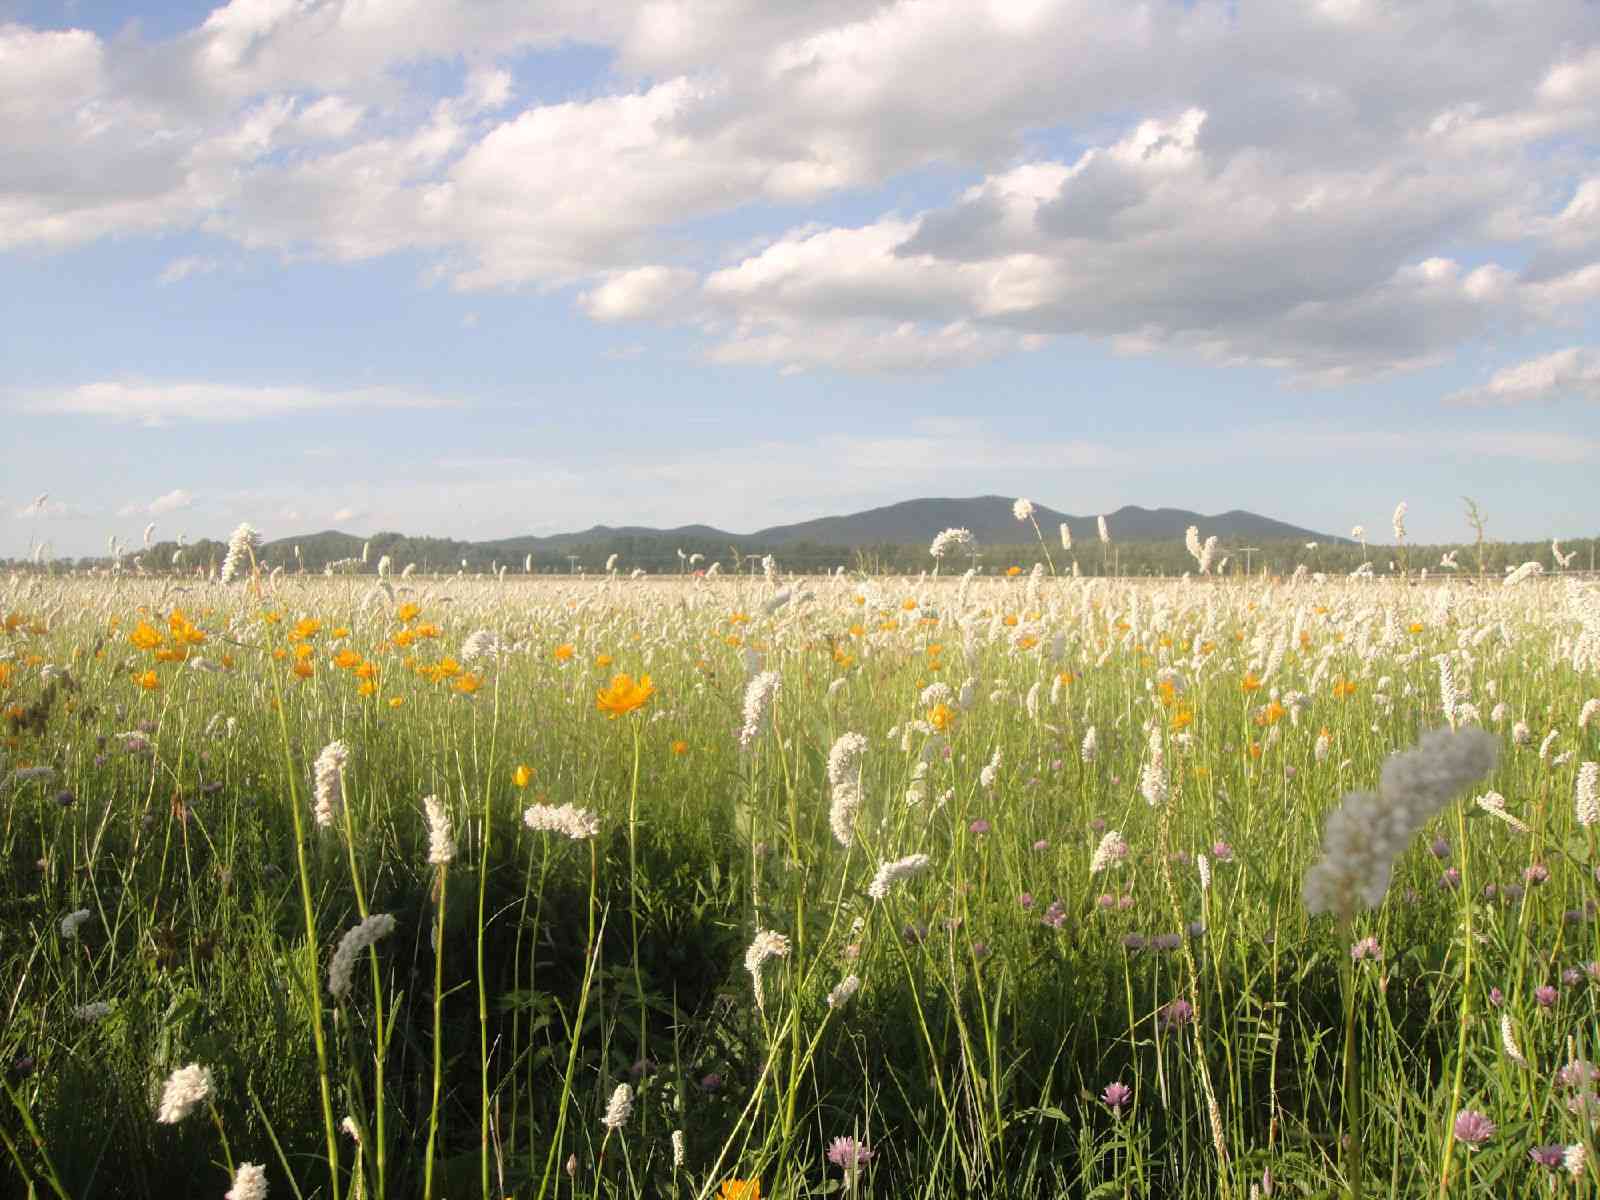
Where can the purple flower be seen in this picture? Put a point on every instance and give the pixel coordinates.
(711, 1082)
(1176, 1013)
(1117, 1096)
(1106, 900)
(978, 827)
(1451, 879)
(1132, 941)
(1222, 852)
(980, 950)
(1490, 891)
(1041, 845)
(1473, 1128)
(1098, 825)
(1545, 995)
(1366, 948)
(1166, 941)
(1554, 1157)
(1440, 847)
(1055, 916)
(849, 1154)
(1124, 903)
(1572, 977)
(1026, 900)
(1511, 891)
(1536, 874)
(1496, 997)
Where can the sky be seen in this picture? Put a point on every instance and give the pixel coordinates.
(478, 268)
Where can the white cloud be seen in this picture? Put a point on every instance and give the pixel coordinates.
(633, 295)
(1573, 372)
(349, 514)
(160, 404)
(173, 501)
(180, 269)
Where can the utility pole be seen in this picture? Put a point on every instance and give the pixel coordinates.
(1247, 551)
(572, 564)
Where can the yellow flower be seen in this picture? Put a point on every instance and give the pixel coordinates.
(429, 630)
(680, 747)
(149, 681)
(1250, 683)
(303, 669)
(740, 1189)
(408, 612)
(858, 630)
(738, 618)
(908, 604)
(563, 652)
(340, 631)
(624, 695)
(403, 639)
(183, 631)
(1415, 627)
(522, 776)
(145, 636)
(347, 659)
(1182, 719)
(272, 618)
(304, 628)
(1013, 572)
(602, 661)
(468, 683)
(396, 701)
(941, 717)
(1343, 689)
(366, 688)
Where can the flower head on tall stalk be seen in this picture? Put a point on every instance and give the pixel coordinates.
(441, 845)
(765, 945)
(186, 1089)
(329, 789)
(356, 939)
(624, 695)
(619, 1108)
(249, 1183)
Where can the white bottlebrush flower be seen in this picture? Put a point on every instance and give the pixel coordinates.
(1368, 831)
(1359, 533)
(1499, 713)
(1153, 776)
(619, 1108)
(844, 777)
(1494, 804)
(1526, 571)
(356, 939)
(441, 846)
(1203, 865)
(1090, 746)
(481, 643)
(1590, 708)
(1112, 849)
(186, 1089)
(759, 695)
(72, 921)
(1575, 1159)
(249, 1183)
(936, 693)
(329, 767)
(990, 771)
(1323, 744)
(242, 546)
(950, 540)
(575, 823)
(1588, 801)
(678, 1152)
(766, 944)
(1022, 510)
(891, 873)
(1066, 536)
(1508, 1039)
(843, 991)
(1105, 530)
(1548, 744)
(1400, 522)
(98, 1010)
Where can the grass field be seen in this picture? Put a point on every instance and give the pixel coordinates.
(1042, 929)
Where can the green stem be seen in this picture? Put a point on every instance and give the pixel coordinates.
(1351, 1096)
(1466, 1009)
(438, 1041)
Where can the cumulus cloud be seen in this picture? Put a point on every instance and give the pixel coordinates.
(162, 404)
(1571, 373)
(633, 295)
(173, 501)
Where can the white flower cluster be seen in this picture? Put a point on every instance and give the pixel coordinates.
(356, 939)
(843, 991)
(242, 545)
(481, 643)
(186, 1089)
(575, 823)
(1588, 801)
(72, 921)
(1368, 831)
(329, 766)
(891, 873)
(441, 846)
(1494, 804)
(844, 778)
(765, 945)
(948, 540)
(1022, 510)
(1112, 849)
(1153, 777)
(619, 1108)
(758, 697)
(249, 1183)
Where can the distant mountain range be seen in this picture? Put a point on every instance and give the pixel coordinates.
(911, 523)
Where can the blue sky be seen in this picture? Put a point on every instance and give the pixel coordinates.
(486, 269)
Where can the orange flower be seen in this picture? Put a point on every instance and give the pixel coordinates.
(740, 1189)
(602, 661)
(340, 631)
(738, 618)
(1182, 719)
(522, 775)
(408, 612)
(183, 631)
(1013, 572)
(680, 747)
(624, 695)
(347, 659)
(303, 669)
(429, 630)
(858, 630)
(366, 688)
(367, 670)
(149, 681)
(1343, 689)
(563, 652)
(941, 717)
(908, 604)
(145, 636)
(396, 701)
(1250, 683)
(304, 628)
(468, 683)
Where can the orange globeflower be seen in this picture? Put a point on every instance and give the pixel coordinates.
(522, 775)
(145, 636)
(303, 668)
(408, 612)
(680, 747)
(563, 652)
(1250, 683)
(941, 717)
(624, 695)
(468, 683)
(603, 661)
(740, 1189)
(149, 681)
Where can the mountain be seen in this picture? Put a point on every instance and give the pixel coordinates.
(992, 522)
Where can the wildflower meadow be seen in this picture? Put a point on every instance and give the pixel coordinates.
(1034, 884)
